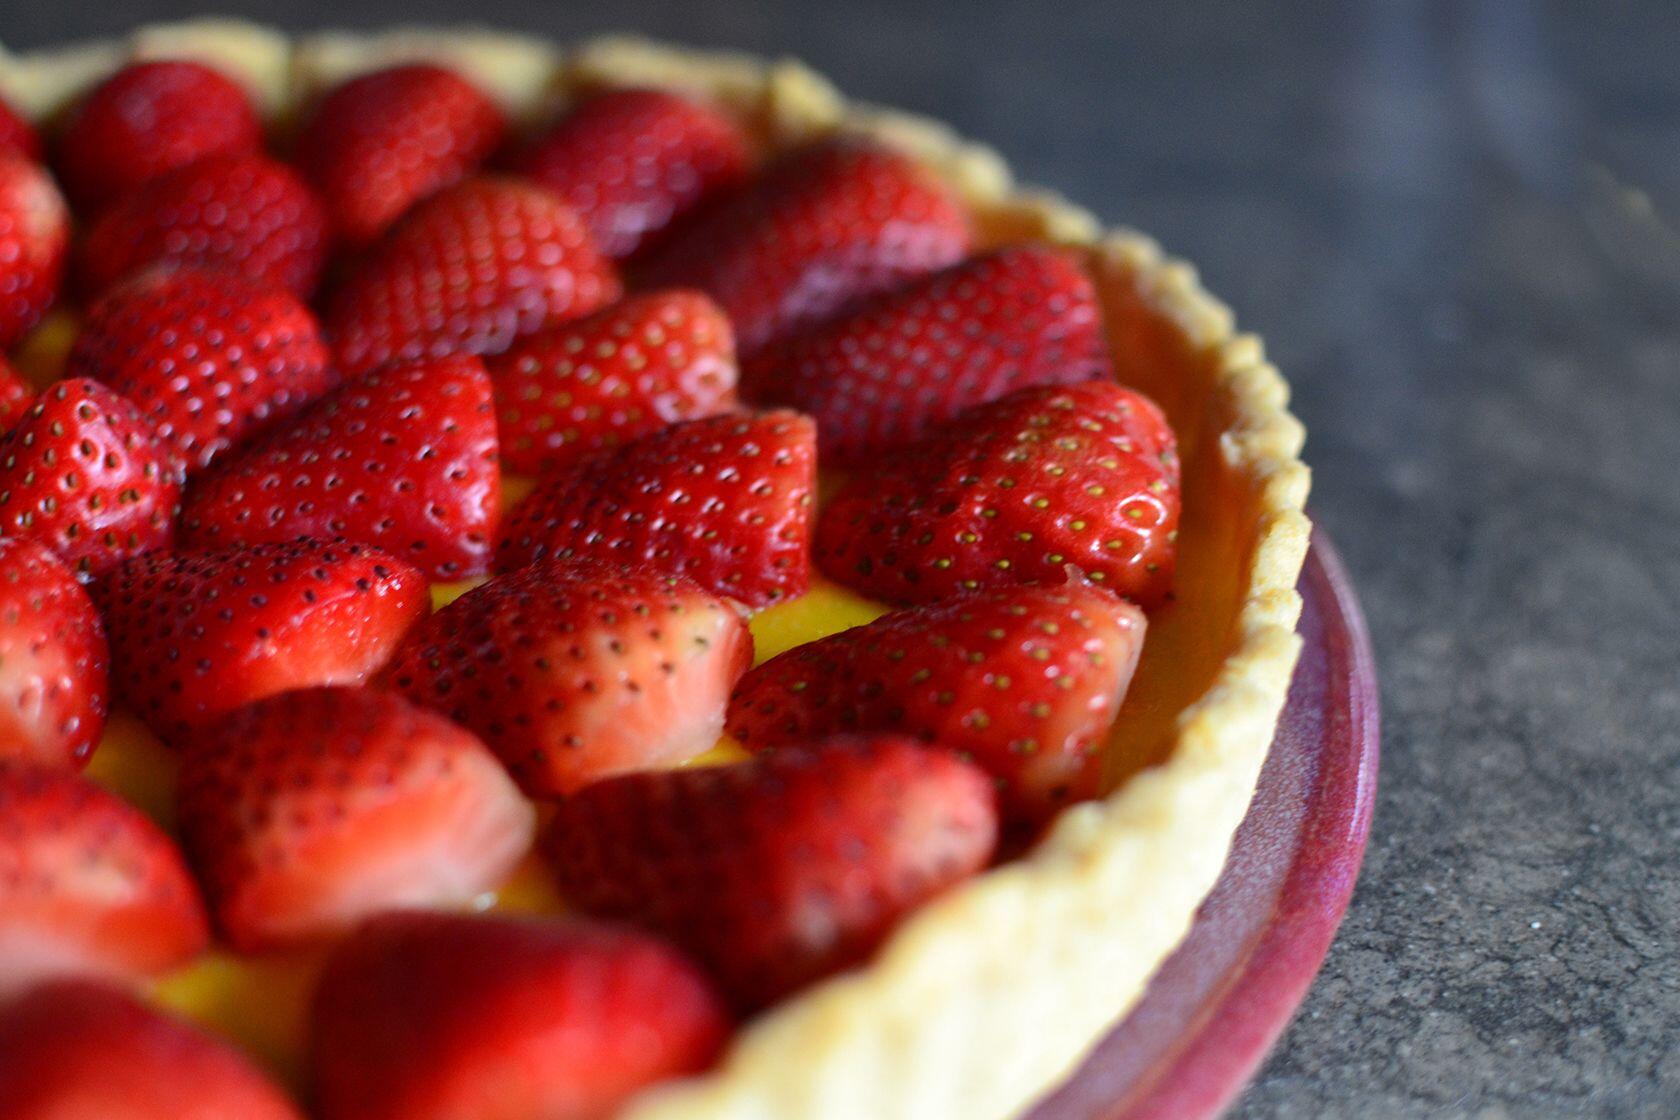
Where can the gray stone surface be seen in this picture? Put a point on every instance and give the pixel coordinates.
(1458, 227)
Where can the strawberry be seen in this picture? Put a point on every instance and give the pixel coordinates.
(436, 1016)
(627, 370)
(907, 360)
(782, 870)
(149, 118)
(310, 810)
(1013, 492)
(17, 134)
(15, 395)
(88, 884)
(381, 142)
(211, 357)
(198, 633)
(34, 241)
(403, 458)
(80, 1050)
(822, 227)
(573, 670)
(83, 473)
(632, 161)
(468, 271)
(244, 213)
(725, 501)
(53, 659)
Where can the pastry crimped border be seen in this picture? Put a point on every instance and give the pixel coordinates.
(989, 995)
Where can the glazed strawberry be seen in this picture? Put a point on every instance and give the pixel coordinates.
(84, 474)
(15, 395)
(468, 271)
(726, 501)
(444, 1017)
(79, 1050)
(198, 633)
(34, 240)
(313, 809)
(87, 883)
(782, 870)
(632, 161)
(822, 227)
(381, 142)
(148, 118)
(18, 135)
(403, 458)
(573, 670)
(243, 213)
(210, 357)
(54, 662)
(1014, 492)
(625, 371)
(969, 334)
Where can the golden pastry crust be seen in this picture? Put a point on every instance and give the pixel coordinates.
(988, 996)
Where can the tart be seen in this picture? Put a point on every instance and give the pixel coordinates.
(997, 977)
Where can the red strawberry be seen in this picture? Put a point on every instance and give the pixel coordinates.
(78, 1050)
(440, 1017)
(381, 142)
(823, 226)
(87, 883)
(198, 633)
(573, 671)
(1013, 492)
(34, 240)
(623, 372)
(149, 118)
(468, 271)
(83, 473)
(17, 134)
(54, 661)
(403, 458)
(778, 871)
(725, 501)
(15, 395)
(211, 357)
(244, 213)
(907, 360)
(310, 810)
(632, 161)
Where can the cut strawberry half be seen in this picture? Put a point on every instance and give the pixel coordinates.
(87, 883)
(726, 501)
(574, 670)
(34, 242)
(54, 661)
(313, 809)
(197, 633)
(779, 871)
(403, 458)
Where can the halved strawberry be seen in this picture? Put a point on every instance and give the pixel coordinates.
(84, 474)
(726, 501)
(573, 670)
(1013, 492)
(15, 395)
(823, 226)
(782, 870)
(34, 241)
(244, 213)
(468, 271)
(81, 1050)
(968, 334)
(308, 811)
(1026, 681)
(87, 883)
(149, 118)
(17, 134)
(403, 458)
(198, 633)
(210, 357)
(54, 661)
(434, 1016)
(381, 142)
(627, 370)
(632, 161)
